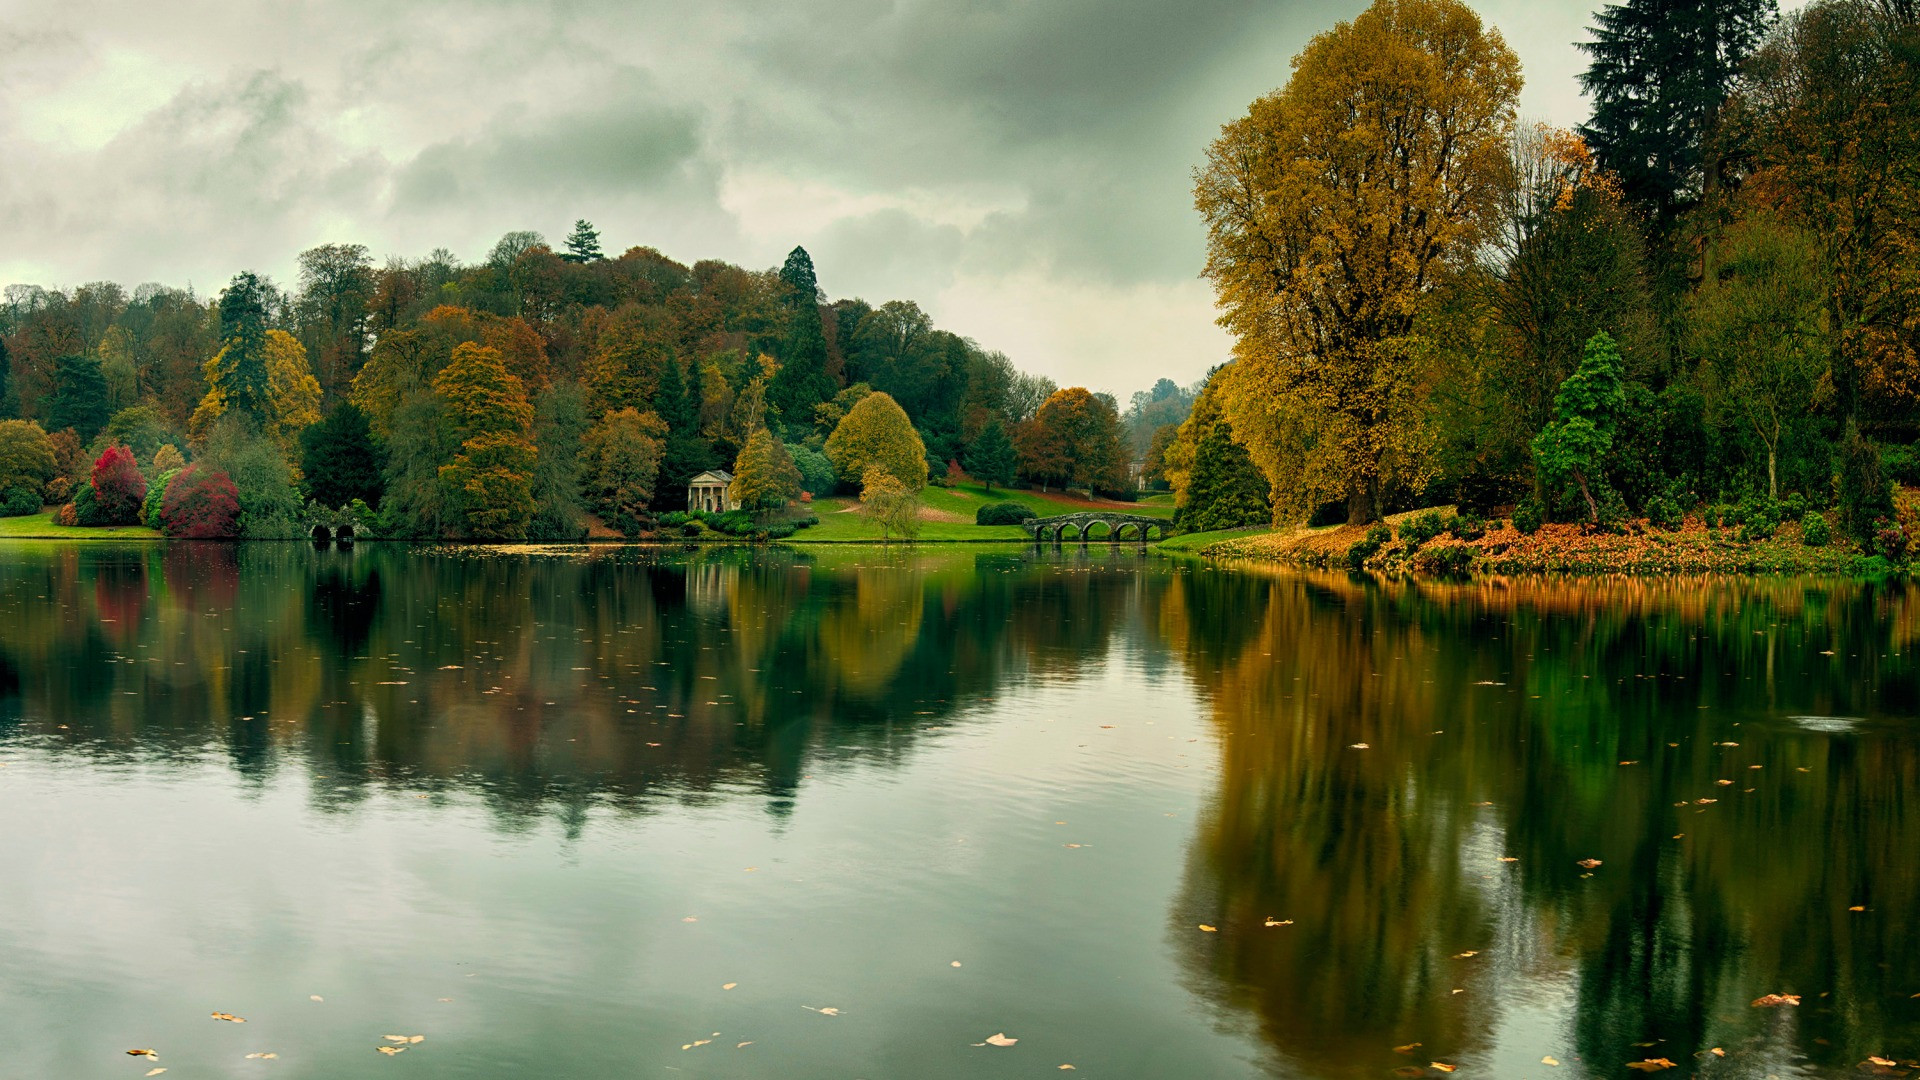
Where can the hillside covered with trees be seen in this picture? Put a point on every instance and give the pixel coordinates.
(1704, 302)
(518, 397)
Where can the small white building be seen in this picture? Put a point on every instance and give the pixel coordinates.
(708, 492)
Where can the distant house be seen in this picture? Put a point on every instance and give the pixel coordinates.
(708, 492)
(1137, 474)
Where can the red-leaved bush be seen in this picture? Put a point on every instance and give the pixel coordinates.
(201, 504)
(118, 487)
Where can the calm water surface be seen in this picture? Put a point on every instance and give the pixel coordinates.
(619, 813)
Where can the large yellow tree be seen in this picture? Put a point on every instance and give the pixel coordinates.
(293, 394)
(1333, 208)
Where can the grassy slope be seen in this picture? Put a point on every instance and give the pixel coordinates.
(41, 527)
(960, 501)
(1191, 543)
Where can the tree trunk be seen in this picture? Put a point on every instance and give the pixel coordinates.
(1773, 474)
(1593, 508)
(1360, 503)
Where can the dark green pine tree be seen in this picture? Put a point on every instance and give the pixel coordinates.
(686, 453)
(1226, 490)
(79, 397)
(242, 374)
(802, 381)
(9, 405)
(991, 458)
(1660, 71)
(340, 460)
(583, 243)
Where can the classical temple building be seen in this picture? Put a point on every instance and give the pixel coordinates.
(708, 492)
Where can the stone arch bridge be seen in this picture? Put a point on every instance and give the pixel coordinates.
(1056, 529)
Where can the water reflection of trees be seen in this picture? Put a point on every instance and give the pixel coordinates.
(1496, 718)
(545, 681)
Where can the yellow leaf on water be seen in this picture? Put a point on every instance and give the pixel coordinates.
(1442, 1066)
(1856, 909)
(1768, 1001)
(141, 1053)
(416, 1038)
(737, 1046)
(1508, 858)
(1588, 863)
(315, 997)
(1717, 1052)
(1000, 1039)
(394, 1038)
(1651, 1065)
(1464, 955)
(1407, 1049)
(1549, 1060)
(1360, 746)
(1884, 1062)
(391, 1050)
(229, 1018)
(1209, 929)
(728, 986)
(154, 1072)
(1278, 922)
(956, 963)
(1066, 1066)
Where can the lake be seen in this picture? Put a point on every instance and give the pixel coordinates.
(850, 813)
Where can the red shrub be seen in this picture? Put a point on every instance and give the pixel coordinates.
(201, 504)
(118, 487)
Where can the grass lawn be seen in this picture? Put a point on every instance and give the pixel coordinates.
(961, 502)
(41, 527)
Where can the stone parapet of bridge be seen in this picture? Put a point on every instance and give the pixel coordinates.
(1120, 527)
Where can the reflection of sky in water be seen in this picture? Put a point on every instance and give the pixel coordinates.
(577, 795)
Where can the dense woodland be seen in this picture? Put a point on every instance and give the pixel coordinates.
(526, 396)
(1705, 301)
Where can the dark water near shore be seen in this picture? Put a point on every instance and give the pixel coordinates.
(1150, 819)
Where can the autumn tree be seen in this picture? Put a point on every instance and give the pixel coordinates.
(1333, 206)
(1074, 440)
(991, 458)
(765, 479)
(1586, 409)
(876, 433)
(889, 503)
(336, 287)
(560, 425)
(293, 395)
(621, 459)
(490, 479)
(26, 457)
(118, 487)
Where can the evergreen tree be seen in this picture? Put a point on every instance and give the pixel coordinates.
(687, 454)
(240, 370)
(1586, 409)
(583, 243)
(991, 458)
(1660, 71)
(1226, 490)
(340, 460)
(802, 381)
(79, 396)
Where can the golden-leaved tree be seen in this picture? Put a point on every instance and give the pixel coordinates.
(293, 394)
(490, 480)
(877, 433)
(1333, 208)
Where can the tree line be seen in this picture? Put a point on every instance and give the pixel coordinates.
(519, 397)
(1704, 294)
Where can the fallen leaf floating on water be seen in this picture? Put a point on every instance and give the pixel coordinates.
(1442, 1066)
(1705, 802)
(1465, 955)
(1209, 929)
(1000, 1039)
(1856, 909)
(1271, 921)
(1066, 1066)
(230, 1018)
(1652, 1065)
(1770, 1001)
(1508, 858)
(1360, 746)
(743, 1045)
(956, 963)
(1407, 1049)
(698, 1042)
(315, 997)
(829, 1011)
(416, 1038)
(262, 1056)
(1588, 863)
(1724, 783)
(391, 1050)
(1717, 1052)
(395, 1038)
(1885, 1063)
(1549, 1060)
(141, 1053)
(728, 986)
(154, 1072)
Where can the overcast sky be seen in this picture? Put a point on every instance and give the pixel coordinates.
(1021, 168)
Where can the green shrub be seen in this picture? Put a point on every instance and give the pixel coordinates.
(1003, 513)
(1864, 496)
(1793, 506)
(1422, 527)
(1757, 516)
(1890, 541)
(1529, 516)
(1367, 547)
(20, 502)
(1468, 526)
(156, 498)
(672, 519)
(1664, 511)
(1453, 560)
(691, 528)
(1814, 530)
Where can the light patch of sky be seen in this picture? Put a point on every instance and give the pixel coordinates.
(97, 100)
(771, 206)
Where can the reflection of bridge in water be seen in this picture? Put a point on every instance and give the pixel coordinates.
(1118, 525)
